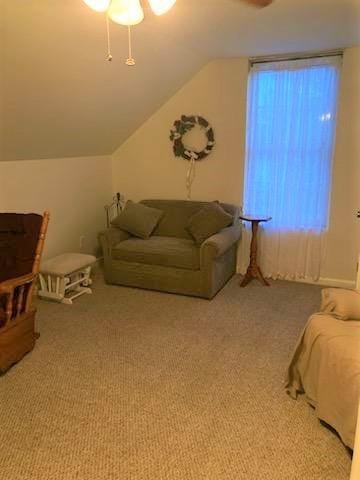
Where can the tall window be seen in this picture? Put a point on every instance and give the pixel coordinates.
(290, 142)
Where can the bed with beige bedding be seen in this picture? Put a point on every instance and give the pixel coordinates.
(326, 365)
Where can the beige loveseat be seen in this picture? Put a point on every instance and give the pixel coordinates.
(170, 260)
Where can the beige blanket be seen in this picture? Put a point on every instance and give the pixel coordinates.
(326, 367)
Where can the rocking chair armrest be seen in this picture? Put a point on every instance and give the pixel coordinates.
(9, 285)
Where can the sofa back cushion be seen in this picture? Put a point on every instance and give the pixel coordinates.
(138, 219)
(176, 215)
(209, 220)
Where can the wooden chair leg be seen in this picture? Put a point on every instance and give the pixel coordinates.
(16, 340)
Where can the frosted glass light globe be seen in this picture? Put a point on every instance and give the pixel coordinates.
(98, 5)
(126, 12)
(159, 7)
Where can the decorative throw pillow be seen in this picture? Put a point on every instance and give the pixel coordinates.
(138, 219)
(343, 304)
(209, 220)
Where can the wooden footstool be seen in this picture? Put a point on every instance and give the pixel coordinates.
(66, 277)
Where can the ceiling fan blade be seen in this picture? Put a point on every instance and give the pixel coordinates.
(259, 3)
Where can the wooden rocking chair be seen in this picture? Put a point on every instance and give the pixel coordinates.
(22, 239)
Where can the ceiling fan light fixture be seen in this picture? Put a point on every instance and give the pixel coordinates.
(159, 7)
(98, 5)
(126, 12)
(259, 3)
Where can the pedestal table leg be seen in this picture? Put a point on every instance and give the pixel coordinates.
(253, 270)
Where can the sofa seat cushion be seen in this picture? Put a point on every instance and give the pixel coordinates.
(156, 250)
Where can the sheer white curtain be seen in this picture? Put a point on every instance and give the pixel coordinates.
(290, 142)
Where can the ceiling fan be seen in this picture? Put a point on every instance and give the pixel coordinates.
(130, 12)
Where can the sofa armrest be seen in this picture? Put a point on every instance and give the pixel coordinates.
(110, 237)
(218, 244)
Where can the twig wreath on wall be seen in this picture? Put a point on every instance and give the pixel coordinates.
(179, 130)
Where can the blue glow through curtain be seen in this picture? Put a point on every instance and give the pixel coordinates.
(290, 140)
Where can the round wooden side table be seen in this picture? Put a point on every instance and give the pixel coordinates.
(253, 270)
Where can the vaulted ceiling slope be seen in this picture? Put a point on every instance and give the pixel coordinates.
(60, 98)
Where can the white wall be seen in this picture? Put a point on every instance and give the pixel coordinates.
(74, 190)
(144, 166)
(343, 242)
(2, 202)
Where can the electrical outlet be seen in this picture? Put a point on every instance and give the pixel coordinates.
(81, 241)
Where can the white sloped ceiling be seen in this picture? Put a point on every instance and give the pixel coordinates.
(60, 98)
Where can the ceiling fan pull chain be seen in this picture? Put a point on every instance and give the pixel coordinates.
(108, 56)
(130, 61)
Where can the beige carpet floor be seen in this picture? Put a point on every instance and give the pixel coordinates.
(130, 384)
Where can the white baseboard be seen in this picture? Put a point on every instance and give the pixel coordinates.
(328, 282)
(97, 264)
(323, 281)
